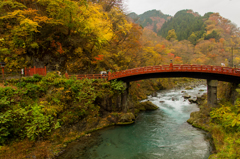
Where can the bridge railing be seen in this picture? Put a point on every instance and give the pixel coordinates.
(34, 70)
(175, 68)
(89, 76)
(162, 68)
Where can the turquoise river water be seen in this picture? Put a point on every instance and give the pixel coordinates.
(163, 133)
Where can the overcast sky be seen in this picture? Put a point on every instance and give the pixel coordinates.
(229, 9)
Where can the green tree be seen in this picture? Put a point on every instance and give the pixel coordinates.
(171, 34)
(214, 35)
(193, 38)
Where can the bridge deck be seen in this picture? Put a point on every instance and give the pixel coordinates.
(196, 71)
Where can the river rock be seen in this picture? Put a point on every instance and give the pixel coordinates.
(188, 88)
(185, 95)
(154, 94)
(174, 98)
(201, 90)
(161, 101)
(183, 91)
(192, 100)
(201, 98)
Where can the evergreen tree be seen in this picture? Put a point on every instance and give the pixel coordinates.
(185, 23)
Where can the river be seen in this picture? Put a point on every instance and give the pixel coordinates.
(163, 133)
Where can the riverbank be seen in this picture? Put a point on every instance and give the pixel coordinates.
(140, 107)
(50, 112)
(41, 115)
(55, 98)
(222, 123)
(169, 122)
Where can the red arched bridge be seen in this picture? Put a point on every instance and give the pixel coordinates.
(213, 74)
(164, 71)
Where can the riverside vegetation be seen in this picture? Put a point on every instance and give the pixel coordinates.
(40, 115)
(41, 108)
(222, 122)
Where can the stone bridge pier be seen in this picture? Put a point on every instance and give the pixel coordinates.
(125, 97)
(212, 92)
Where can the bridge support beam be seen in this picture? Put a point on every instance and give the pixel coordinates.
(125, 97)
(212, 92)
(234, 93)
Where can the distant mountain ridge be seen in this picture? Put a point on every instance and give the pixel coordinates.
(153, 19)
(187, 24)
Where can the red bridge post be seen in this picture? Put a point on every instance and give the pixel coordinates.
(34, 70)
(45, 70)
(171, 65)
(66, 75)
(109, 75)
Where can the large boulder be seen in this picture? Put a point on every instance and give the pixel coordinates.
(126, 118)
(148, 105)
(185, 95)
(193, 100)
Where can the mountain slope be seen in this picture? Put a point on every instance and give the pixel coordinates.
(153, 19)
(186, 23)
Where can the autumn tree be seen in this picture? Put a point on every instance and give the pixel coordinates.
(171, 35)
(50, 32)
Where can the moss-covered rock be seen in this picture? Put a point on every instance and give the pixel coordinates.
(197, 120)
(147, 106)
(141, 107)
(188, 88)
(126, 118)
(201, 99)
(136, 111)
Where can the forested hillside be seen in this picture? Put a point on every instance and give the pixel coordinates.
(185, 23)
(194, 27)
(88, 36)
(152, 20)
(76, 35)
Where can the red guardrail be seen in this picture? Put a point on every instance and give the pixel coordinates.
(89, 76)
(175, 68)
(34, 70)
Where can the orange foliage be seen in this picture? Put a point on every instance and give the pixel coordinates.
(57, 45)
(171, 55)
(212, 40)
(53, 44)
(99, 57)
(21, 150)
(60, 50)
